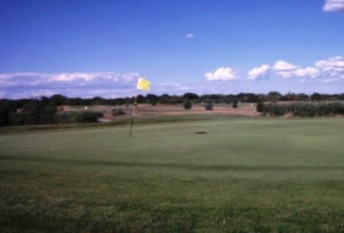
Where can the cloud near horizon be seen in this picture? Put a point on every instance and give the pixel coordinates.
(333, 68)
(259, 73)
(221, 74)
(112, 85)
(30, 84)
(330, 69)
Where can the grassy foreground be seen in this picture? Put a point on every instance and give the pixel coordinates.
(239, 175)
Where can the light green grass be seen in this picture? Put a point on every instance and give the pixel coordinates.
(244, 175)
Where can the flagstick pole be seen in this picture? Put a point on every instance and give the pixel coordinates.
(132, 117)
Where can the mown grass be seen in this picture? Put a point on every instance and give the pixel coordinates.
(240, 175)
(117, 122)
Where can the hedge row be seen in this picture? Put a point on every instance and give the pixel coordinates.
(45, 118)
(303, 109)
(78, 117)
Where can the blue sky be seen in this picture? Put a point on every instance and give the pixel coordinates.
(99, 48)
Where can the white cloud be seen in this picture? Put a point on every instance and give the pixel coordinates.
(284, 66)
(259, 73)
(332, 68)
(189, 36)
(88, 77)
(221, 74)
(334, 6)
(17, 85)
(23, 79)
(335, 64)
(30, 78)
(307, 72)
(284, 69)
(65, 77)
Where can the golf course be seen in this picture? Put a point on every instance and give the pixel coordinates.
(228, 174)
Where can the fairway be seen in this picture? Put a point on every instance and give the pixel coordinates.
(224, 175)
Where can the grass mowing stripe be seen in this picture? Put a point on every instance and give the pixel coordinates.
(193, 167)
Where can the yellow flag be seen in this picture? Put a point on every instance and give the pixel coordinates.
(143, 84)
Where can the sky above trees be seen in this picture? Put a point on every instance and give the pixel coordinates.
(100, 48)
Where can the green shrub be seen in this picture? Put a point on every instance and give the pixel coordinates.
(305, 109)
(88, 117)
(78, 117)
(275, 109)
(118, 112)
(63, 118)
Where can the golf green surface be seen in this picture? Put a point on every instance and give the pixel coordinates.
(233, 175)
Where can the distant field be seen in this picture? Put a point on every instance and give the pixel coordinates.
(234, 175)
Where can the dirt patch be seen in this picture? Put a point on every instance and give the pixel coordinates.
(176, 110)
(147, 110)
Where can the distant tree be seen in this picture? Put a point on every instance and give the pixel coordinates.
(5, 112)
(58, 100)
(250, 98)
(274, 96)
(164, 99)
(216, 98)
(119, 101)
(187, 104)
(36, 111)
(76, 101)
(341, 97)
(140, 99)
(316, 97)
(287, 97)
(152, 99)
(229, 99)
(175, 99)
(235, 104)
(302, 97)
(190, 96)
(260, 106)
(208, 105)
(98, 100)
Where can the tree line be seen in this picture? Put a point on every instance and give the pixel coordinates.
(45, 110)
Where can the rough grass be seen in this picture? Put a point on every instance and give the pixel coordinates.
(242, 175)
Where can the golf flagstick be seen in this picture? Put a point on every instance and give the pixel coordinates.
(142, 84)
(133, 110)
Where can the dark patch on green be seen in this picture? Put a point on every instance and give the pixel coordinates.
(201, 132)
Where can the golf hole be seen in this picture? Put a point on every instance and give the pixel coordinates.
(201, 132)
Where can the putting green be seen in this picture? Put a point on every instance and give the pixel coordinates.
(235, 175)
